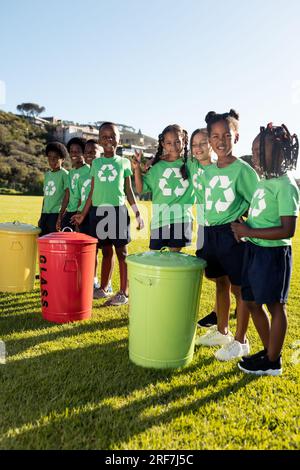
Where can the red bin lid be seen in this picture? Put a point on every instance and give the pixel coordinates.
(73, 238)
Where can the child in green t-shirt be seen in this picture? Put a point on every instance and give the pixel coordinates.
(71, 200)
(55, 186)
(110, 223)
(172, 192)
(201, 160)
(268, 259)
(229, 186)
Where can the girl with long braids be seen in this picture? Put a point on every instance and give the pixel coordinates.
(229, 187)
(268, 258)
(172, 193)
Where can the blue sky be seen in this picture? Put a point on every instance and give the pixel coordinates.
(152, 63)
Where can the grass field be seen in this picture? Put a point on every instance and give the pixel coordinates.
(72, 386)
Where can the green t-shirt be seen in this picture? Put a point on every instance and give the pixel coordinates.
(55, 185)
(273, 198)
(83, 187)
(74, 175)
(109, 180)
(172, 196)
(196, 172)
(228, 191)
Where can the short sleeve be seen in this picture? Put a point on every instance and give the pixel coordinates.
(247, 182)
(288, 200)
(65, 180)
(127, 168)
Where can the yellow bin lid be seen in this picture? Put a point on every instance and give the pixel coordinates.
(19, 227)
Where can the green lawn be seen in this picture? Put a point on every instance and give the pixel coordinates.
(72, 386)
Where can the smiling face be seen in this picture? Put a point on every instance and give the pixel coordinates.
(222, 139)
(173, 144)
(109, 138)
(76, 156)
(91, 152)
(201, 148)
(54, 160)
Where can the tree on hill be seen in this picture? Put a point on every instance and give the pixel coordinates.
(30, 109)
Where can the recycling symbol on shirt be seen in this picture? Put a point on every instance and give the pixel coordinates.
(224, 183)
(163, 183)
(111, 177)
(74, 179)
(196, 179)
(260, 203)
(50, 188)
(83, 189)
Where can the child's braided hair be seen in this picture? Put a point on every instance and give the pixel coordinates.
(177, 129)
(232, 118)
(284, 144)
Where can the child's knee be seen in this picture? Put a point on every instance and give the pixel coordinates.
(107, 251)
(122, 252)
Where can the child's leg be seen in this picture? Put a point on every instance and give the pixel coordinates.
(223, 303)
(243, 315)
(107, 265)
(122, 253)
(278, 330)
(261, 321)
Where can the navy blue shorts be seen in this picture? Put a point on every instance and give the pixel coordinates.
(111, 225)
(266, 274)
(66, 221)
(48, 223)
(172, 236)
(85, 226)
(223, 254)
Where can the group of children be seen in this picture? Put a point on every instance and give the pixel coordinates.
(246, 217)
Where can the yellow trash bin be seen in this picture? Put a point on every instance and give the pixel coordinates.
(18, 250)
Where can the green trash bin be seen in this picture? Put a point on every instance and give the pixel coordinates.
(164, 290)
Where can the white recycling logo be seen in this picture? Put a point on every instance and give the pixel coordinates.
(229, 196)
(50, 188)
(74, 179)
(163, 183)
(111, 177)
(83, 189)
(259, 195)
(196, 178)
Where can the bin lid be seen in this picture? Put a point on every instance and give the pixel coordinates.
(19, 227)
(72, 238)
(167, 260)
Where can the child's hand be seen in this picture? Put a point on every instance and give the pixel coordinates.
(240, 230)
(137, 159)
(77, 219)
(58, 223)
(140, 221)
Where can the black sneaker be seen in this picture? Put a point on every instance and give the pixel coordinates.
(262, 366)
(254, 356)
(209, 320)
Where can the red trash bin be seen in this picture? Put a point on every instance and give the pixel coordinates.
(67, 265)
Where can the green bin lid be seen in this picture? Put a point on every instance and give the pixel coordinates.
(19, 227)
(167, 260)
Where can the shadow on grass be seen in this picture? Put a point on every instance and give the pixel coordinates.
(53, 393)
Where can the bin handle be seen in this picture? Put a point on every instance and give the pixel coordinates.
(164, 249)
(65, 228)
(146, 281)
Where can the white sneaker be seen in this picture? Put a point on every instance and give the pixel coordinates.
(101, 294)
(233, 350)
(96, 284)
(119, 299)
(213, 338)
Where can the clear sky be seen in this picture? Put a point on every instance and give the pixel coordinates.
(149, 63)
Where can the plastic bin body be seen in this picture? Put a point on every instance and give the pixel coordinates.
(67, 265)
(164, 290)
(18, 251)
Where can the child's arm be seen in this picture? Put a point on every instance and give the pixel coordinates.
(132, 201)
(285, 230)
(78, 218)
(64, 206)
(136, 164)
